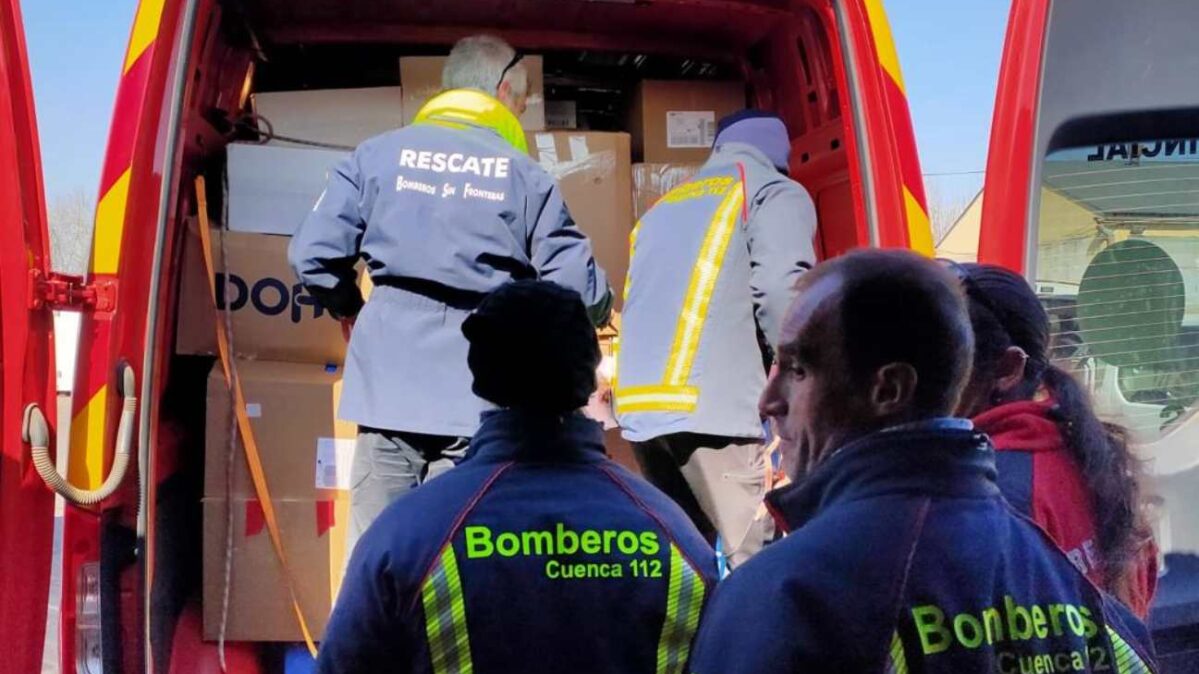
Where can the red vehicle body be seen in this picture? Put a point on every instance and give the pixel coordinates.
(827, 66)
(1092, 150)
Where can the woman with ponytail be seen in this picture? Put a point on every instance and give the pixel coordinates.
(1058, 463)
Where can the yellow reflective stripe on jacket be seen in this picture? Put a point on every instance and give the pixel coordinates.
(699, 290)
(684, 601)
(474, 107)
(656, 399)
(445, 617)
(628, 274)
(897, 661)
(1127, 660)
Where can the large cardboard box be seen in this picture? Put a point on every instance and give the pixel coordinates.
(652, 181)
(675, 121)
(420, 78)
(306, 455)
(337, 116)
(314, 538)
(292, 407)
(273, 187)
(273, 317)
(594, 173)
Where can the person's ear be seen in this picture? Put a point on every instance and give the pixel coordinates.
(894, 389)
(1009, 370)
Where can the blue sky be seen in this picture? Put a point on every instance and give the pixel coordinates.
(75, 52)
(949, 51)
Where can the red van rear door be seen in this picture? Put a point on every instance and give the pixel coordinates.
(26, 358)
(1092, 192)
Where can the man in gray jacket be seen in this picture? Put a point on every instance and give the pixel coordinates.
(713, 270)
(443, 212)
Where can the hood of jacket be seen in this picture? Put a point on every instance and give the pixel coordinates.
(458, 108)
(1026, 425)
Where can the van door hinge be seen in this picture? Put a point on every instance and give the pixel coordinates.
(62, 291)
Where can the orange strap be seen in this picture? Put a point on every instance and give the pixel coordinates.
(253, 459)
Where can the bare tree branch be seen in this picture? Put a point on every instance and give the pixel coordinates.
(71, 216)
(944, 209)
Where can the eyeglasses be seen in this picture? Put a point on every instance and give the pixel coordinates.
(516, 58)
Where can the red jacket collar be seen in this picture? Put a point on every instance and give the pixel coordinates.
(1027, 425)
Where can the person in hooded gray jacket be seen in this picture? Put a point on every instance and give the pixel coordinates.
(713, 269)
(443, 212)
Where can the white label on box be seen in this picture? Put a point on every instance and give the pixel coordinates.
(334, 458)
(690, 128)
(547, 152)
(253, 410)
(578, 148)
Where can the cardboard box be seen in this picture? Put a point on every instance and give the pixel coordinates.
(314, 539)
(305, 450)
(420, 77)
(338, 116)
(273, 316)
(271, 188)
(652, 181)
(306, 456)
(593, 171)
(675, 121)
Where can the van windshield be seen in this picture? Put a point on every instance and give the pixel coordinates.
(1117, 264)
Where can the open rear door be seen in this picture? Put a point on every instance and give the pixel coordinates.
(1092, 191)
(26, 359)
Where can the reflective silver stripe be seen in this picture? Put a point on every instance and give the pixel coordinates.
(445, 617)
(897, 661)
(684, 601)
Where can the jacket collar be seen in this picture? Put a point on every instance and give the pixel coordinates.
(1026, 425)
(509, 435)
(727, 154)
(469, 107)
(930, 460)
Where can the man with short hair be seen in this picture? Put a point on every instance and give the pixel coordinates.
(538, 554)
(902, 554)
(442, 211)
(713, 268)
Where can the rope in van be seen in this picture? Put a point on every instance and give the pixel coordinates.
(230, 455)
(245, 123)
(230, 451)
(249, 441)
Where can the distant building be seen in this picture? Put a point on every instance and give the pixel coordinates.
(960, 243)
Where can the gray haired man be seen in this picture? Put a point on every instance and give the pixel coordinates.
(443, 212)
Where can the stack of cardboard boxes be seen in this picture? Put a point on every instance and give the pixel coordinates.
(289, 351)
(673, 125)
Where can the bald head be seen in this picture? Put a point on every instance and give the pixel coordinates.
(874, 338)
(891, 306)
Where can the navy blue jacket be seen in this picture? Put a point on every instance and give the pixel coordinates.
(905, 557)
(536, 554)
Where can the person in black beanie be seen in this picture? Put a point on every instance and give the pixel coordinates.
(533, 348)
(537, 553)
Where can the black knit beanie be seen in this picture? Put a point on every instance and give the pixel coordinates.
(533, 347)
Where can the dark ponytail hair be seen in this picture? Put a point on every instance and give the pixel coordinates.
(1006, 312)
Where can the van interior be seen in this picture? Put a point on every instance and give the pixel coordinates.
(595, 53)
